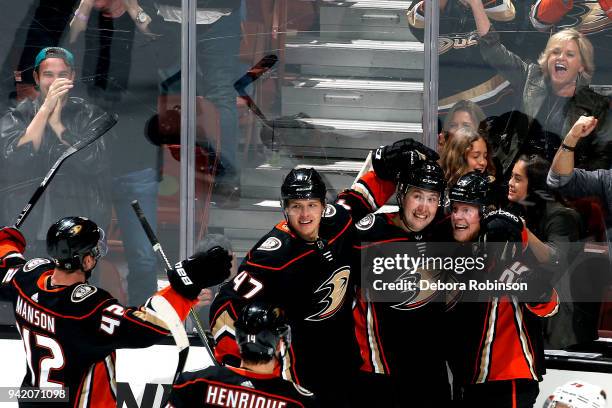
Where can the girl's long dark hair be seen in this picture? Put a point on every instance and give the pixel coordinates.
(538, 192)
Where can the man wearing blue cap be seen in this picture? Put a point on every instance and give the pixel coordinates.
(35, 133)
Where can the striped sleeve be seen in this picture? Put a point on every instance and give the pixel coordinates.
(545, 309)
(366, 195)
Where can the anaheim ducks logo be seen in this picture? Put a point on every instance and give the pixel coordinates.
(417, 297)
(587, 17)
(456, 41)
(335, 291)
(366, 222)
(330, 211)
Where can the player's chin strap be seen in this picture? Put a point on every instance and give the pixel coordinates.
(159, 307)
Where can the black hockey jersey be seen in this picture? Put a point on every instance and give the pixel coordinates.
(313, 285)
(70, 333)
(397, 336)
(236, 387)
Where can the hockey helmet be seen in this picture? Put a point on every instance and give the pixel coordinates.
(71, 238)
(472, 188)
(427, 175)
(577, 394)
(303, 184)
(259, 329)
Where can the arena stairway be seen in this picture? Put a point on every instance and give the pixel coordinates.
(352, 86)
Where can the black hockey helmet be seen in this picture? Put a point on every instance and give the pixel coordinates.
(427, 175)
(472, 188)
(259, 329)
(71, 238)
(303, 184)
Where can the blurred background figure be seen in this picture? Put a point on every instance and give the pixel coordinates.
(553, 229)
(462, 114)
(32, 137)
(42, 26)
(121, 79)
(555, 93)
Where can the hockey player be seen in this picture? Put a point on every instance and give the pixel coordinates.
(70, 329)
(498, 359)
(403, 365)
(304, 265)
(263, 336)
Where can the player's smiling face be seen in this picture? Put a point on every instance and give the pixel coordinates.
(304, 218)
(420, 208)
(465, 220)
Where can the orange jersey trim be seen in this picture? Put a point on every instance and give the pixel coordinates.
(546, 309)
(101, 395)
(252, 374)
(26, 297)
(180, 303)
(381, 190)
(552, 11)
(280, 268)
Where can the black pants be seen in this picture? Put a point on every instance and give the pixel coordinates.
(520, 393)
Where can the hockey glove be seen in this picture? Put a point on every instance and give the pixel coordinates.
(11, 239)
(388, 160)
(199, 271)
(503, 226)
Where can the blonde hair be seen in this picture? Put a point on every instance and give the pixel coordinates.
(468, 106)
(587, 55)
(454, 156)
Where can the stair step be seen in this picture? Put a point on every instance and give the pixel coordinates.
(349, 139)
(265, 181)
(350, 58)
(353, 99)
(366, 19)
(248, 216)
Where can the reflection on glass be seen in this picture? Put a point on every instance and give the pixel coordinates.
(523, 74)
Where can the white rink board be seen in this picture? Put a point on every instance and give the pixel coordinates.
(153, 365)
(156, 365)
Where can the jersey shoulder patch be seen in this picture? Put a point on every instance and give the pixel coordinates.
(330, 211)
(35, 263)
(275, 250)
(366, 222)
(82, 292)
(270, 244)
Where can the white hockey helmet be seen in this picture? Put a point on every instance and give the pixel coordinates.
(577, 394)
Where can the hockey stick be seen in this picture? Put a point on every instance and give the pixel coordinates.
(157, 248)
(164, 311)
(252, 75)
(107, 122)
(367, 166)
